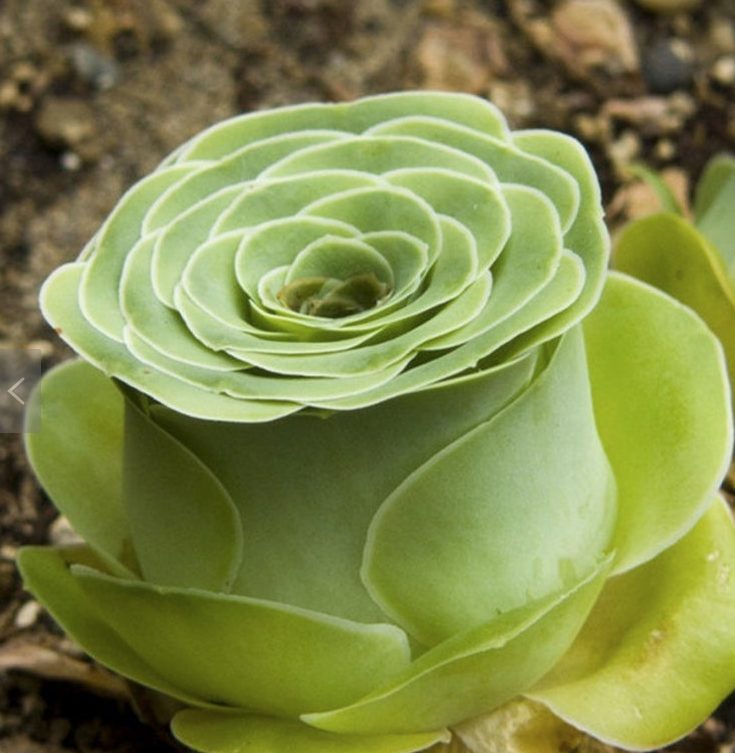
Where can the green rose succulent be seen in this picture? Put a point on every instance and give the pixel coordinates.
(366, 443)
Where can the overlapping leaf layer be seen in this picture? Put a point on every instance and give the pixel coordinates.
(335, 256)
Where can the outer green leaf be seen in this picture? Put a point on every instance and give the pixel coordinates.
(561, 291)
(713, 207)
(307, 487)
(667, 252)
(268, 657)
(474, 672)
(77, 455)
(662, 405)
(477, 205)
(246, 163)
(186, 530)
(180, 239)
(98, 291)
(269, 200)
(159, 325)
(211, 732)
(515, 510)
(509, 163)
(587, 237)
(717, 172)
(246, 385)
(528, 262)
(380, 155)
(46, 575)
(61, 309)
(356, 116)
(657, 655)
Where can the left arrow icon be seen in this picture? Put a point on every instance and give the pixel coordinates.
(11, 391)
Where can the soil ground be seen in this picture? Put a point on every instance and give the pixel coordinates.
(93, 93)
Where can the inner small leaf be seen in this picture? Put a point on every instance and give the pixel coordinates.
(332, 298)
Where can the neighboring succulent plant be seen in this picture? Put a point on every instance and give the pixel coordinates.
(384, 446)
(692, 261)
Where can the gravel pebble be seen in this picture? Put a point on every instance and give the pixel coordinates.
(65, 121)
(668, 66)
(93, 67)
(27, 614)
(723, 71)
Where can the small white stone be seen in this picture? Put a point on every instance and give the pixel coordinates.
(8, 551)
(625, 149)
(27, 614)
(62, 534)
(78, 19)
(71, 161)
(723, 71)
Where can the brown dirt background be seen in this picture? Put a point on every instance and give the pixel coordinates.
(93, 93)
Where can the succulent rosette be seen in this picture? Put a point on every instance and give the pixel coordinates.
(366, 443)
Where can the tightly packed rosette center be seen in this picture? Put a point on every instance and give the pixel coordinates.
(365, 436)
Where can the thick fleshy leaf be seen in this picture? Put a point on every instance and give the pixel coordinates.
(61, 308)
(511, 165)
(242, 165)
(474, 672)
(246, 385)
(373, 358)
(77, 455)
(98, 291)
(180, 239)
(665, 251)
(656, 655)
(662, 405)
(380, 155)
(474, 204)
(356, 117)
(276, 199)
(231, 650)
(713, 208)
(529, 261)
(563, 289)
(212, 732)
(185, 529)
(47, 576)
(219, 335)
(159, 325)
(277, 244)
(587, 236)
(517, 485)
(307, 487)
(215, 271)
(716, 174)
(208, 281)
